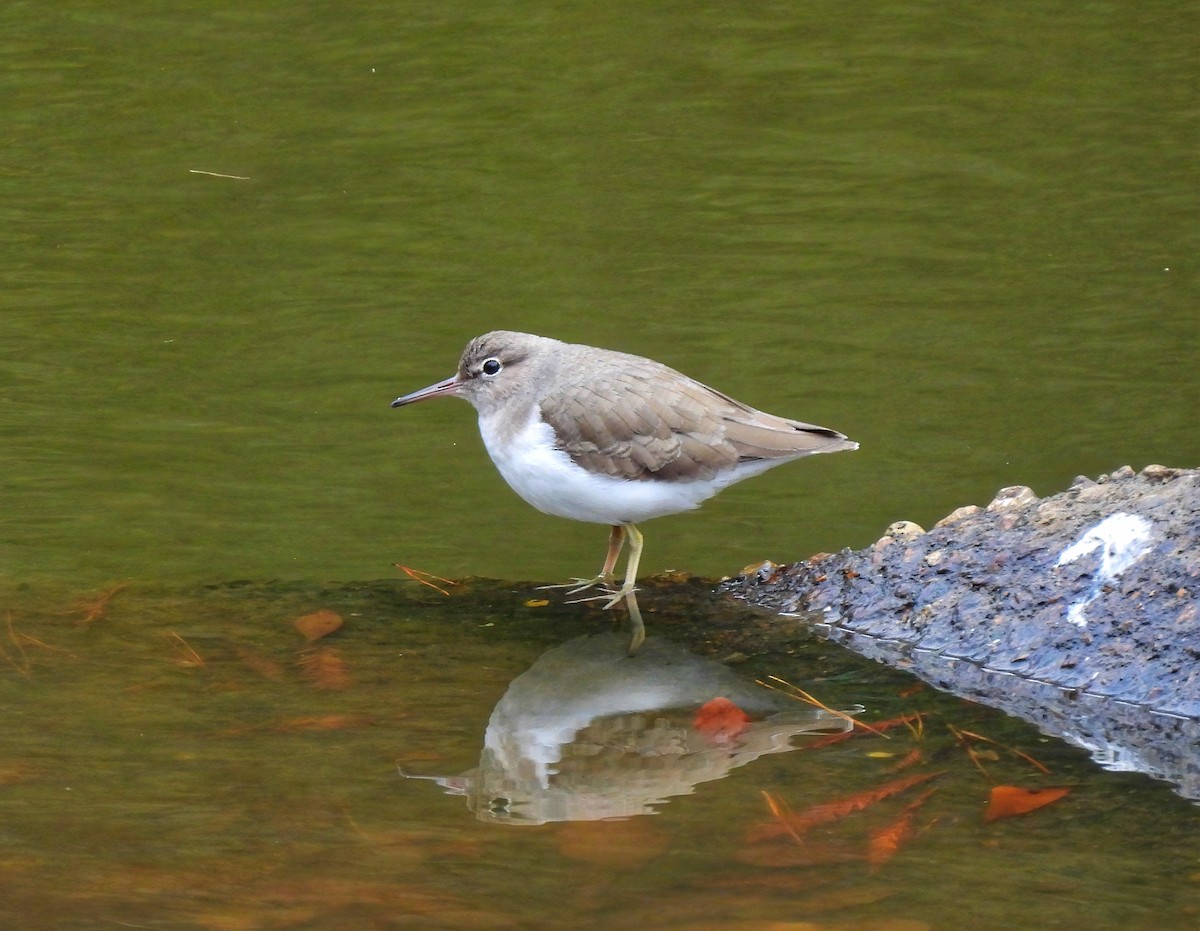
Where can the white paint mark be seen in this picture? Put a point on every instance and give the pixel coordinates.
(1123, 539)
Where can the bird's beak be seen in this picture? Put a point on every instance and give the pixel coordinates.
(447, 388)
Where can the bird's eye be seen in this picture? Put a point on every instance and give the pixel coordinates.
(491, 366)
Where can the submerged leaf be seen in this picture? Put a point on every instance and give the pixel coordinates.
(1006, 801)
(797, 823)
(886, 842)
(318, 624)
(325, 669)
(720, 720)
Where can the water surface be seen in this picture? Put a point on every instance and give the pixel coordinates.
(963, 238)
(185, 758)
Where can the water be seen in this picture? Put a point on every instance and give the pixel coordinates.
(184, 760)
(965, 237)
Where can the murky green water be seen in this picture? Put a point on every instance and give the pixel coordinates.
(964, 236)
(184, 760)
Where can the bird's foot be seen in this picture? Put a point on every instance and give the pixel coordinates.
(575, 586)
(614, 596)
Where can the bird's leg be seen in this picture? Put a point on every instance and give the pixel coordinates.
(629, 586)
(616, 540)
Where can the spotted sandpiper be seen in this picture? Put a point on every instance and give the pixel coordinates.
(612, 438)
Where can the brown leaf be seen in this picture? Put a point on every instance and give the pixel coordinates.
(318, 624)
(913, 757)
(886, 842)
(325, 668)
(1006, 801)
(796, 823)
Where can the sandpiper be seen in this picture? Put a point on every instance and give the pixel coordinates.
(612, 438)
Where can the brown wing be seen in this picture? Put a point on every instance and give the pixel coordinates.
(637, 419)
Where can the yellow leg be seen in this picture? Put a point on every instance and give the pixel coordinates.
(629, 586)
(616, 540)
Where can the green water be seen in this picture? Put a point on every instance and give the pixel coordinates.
(966, 238)
(964, 235)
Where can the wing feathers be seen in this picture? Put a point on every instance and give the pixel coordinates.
(634, 418)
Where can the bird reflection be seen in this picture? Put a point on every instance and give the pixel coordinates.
(589, 732)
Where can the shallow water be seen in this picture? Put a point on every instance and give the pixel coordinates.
(230, 235)
(182, 760)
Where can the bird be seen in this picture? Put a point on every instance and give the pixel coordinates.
(612, 438)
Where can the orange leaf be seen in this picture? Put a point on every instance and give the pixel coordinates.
(1006, 801)
(913, 757)
(839, 808)
(325, 669)
(318, 624)
(799, 822)
(887, 841)
(720, 720)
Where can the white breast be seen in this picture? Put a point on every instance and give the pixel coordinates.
(548, 479)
